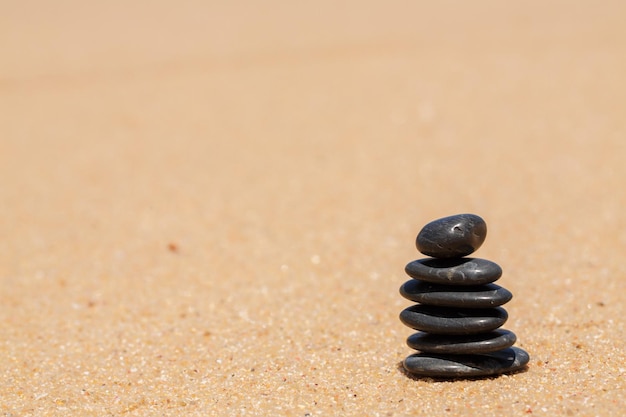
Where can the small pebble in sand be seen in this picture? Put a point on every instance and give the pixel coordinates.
(454, 271)
(452, 237)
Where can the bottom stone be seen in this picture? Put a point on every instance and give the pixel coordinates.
(462, 366)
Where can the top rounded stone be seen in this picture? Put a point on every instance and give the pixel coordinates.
(452, 237)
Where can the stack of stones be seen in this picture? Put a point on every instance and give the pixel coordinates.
(459, 311)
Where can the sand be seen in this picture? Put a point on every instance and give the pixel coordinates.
(206, 207)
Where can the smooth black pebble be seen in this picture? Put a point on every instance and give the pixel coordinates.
(463, 366)
(444, 320)
(457, 271)
(474, 343)
(452, 237)
(480, 296)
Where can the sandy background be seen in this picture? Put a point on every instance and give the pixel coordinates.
(206, 207)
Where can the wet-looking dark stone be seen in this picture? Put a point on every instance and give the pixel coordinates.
(464, 366)
(455, 271)
(474, 343)
(444, 320)
(452, 237)
(475, 296)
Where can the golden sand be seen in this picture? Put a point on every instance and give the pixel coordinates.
(206, 207)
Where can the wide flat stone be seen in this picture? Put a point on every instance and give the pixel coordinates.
(457, 271)
(466, 366)
(480, 296)
(476, 343)
(445, 320)
(452, 237)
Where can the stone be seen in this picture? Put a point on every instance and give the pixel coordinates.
(479, 296)
(444, 320)
(456, 271)
(452, 237)
(462, 366)
(475, 343)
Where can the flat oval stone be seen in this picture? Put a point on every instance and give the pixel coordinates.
(452, 237)
(476, 343)
(464, 366)
(456, 271)
(479, 296)
(444, 320)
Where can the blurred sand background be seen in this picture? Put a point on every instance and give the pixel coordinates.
(206, 207)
